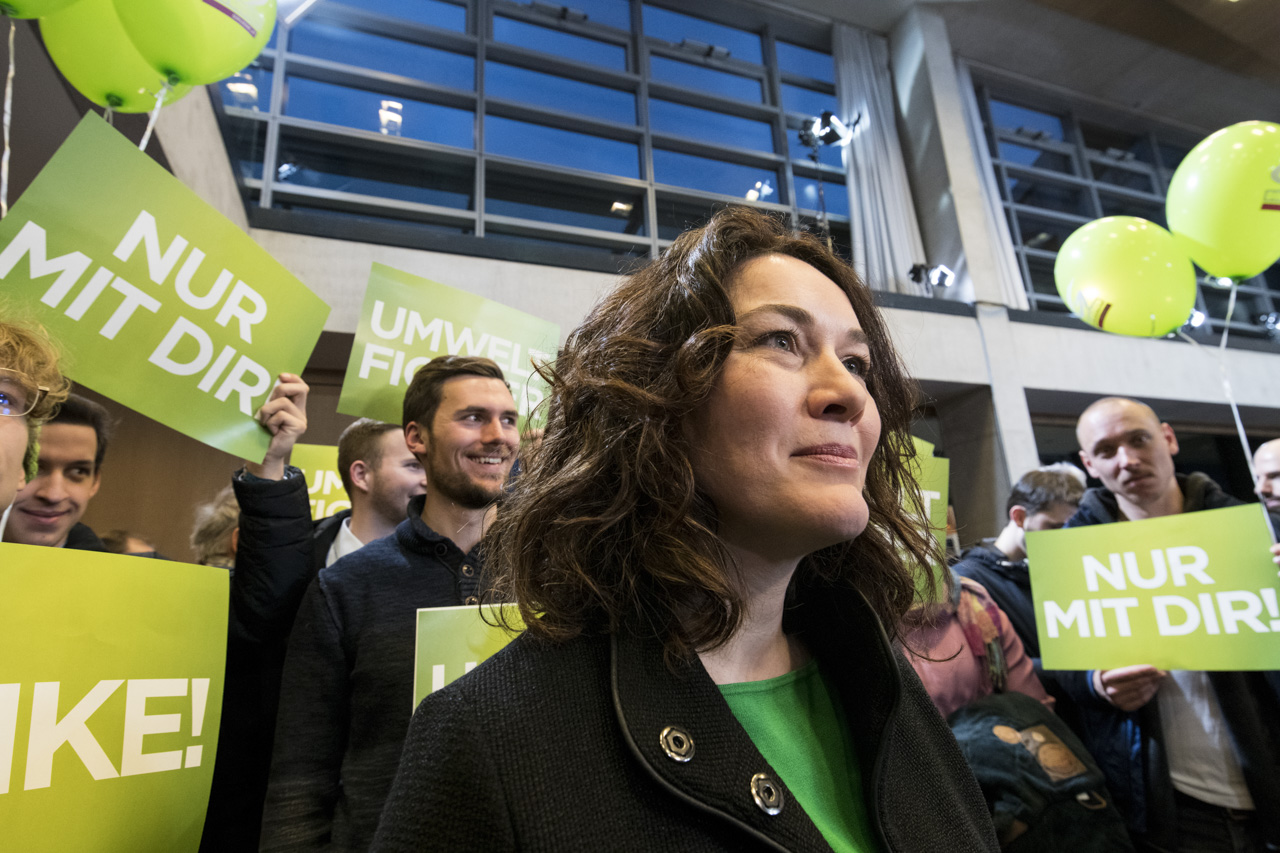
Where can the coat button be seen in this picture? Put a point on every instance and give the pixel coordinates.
(441, 549)
(470, 600)
(767, 793)
(467, 571)
(677, 744)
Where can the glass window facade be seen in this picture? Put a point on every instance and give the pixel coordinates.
(1058, 168)
(604, 125)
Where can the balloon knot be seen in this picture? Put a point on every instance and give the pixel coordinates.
(114, 101)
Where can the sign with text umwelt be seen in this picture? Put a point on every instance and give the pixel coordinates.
(319, 464)
(160, 302)
(111, 682)
(1191, 591)
(408, 320)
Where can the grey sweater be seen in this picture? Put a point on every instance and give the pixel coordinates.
(347, 693)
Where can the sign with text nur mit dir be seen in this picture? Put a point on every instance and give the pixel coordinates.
(110, 696)
(160, 302)
(408, 320)
(1191, 591)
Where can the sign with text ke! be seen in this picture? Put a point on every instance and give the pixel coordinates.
(1191, 591)
(110, 695)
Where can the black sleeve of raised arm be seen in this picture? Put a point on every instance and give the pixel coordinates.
(274, 558)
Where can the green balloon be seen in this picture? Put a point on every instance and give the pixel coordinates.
(32, 8)
(198, 41)
(92, 50)
(1224, 200)
(1126, 275)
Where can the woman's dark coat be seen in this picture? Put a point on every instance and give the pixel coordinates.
(559, 747)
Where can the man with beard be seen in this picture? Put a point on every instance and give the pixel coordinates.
(347, 692)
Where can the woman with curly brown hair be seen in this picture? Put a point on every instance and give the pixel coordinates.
(711, 551)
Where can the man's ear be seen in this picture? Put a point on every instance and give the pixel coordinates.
(1018, 515)
(359, 474)
(416, 438)
(1084, 460)
(1170, 438)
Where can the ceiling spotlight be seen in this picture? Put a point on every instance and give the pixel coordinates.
(1197, 318)
(939, 276)
(830, 130)
(1224, 282)
(390, 117)
(759, 191)
(621, 208)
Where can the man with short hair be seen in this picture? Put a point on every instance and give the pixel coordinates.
(1043, 499)
(380, 476)
(348, 682)
(1192, 758)
(69, 471)
(1266, 466)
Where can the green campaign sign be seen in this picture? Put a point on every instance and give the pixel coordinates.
(161, 302)
(408, 320)
(1190, 591)
(932, 475)
(319, 463)
(452, 641)
(110, 696)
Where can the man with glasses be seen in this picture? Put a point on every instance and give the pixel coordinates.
(30, 389)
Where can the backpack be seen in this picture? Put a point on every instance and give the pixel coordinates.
(1044, 790)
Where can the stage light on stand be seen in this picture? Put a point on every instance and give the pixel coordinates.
(826, 129)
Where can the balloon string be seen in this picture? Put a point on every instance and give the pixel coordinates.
(1235, 413)
(155, 113)
(8, 121)
(110, 115)
(1226, 324)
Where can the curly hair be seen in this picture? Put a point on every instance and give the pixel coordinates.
(28, 349)
(607, 529)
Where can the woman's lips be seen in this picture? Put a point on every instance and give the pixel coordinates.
(843, 455)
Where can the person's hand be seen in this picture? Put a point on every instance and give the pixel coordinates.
(1129, 687)
(285, 417)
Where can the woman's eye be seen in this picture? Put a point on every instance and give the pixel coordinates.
(857, 365)
(780, 340)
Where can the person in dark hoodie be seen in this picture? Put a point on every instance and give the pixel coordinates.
(1192, 758)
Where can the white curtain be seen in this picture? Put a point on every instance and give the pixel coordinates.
(1015, 295)
(886, 235)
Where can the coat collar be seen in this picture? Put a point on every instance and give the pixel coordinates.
(841, 631)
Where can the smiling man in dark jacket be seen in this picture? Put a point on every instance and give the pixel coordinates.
(1192, 758)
